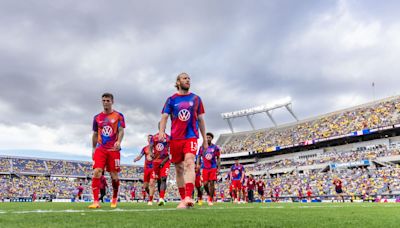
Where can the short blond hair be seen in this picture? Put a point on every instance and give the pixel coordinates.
(178, 78)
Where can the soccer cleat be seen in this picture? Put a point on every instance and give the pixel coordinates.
(200, 202)
(150, 203)
(189, 202)
(210, 203)
(161, 202)
(235, 201)
(94, 205)
(182, 205)
(114, 203)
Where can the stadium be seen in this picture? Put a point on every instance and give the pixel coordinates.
(360, 145)
(277, 113)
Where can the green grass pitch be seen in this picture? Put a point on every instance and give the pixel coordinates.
(220, 215)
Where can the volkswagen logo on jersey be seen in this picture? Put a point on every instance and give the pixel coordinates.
(107, 131)
(237, 172)
(208, 156)
(184, 115)
(160, 147)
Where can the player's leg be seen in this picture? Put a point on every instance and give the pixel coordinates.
(212, 192)
(163, 182)
(115, 186)
(152, 188)
(113, 166)
(144, 188)
(189, 177)
(99, 162)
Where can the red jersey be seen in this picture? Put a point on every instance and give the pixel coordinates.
(251, 183)
(107, 125)
(260, 185)
(145, 151)
(209, 157)
(160, 148)
(184, 111)
(338, 184)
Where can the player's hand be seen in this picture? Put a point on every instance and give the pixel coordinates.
(161, 136)
(117, 146)
(161, 165)
(205, 145)
(197, 168)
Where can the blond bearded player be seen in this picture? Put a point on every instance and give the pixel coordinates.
(187, 116)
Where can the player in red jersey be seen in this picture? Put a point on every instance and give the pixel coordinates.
(338, 188)
(237, 175)
(108, 131)
(159, 151)
(133, 193)
(187, 115)
(309, 193)
(261, 189)
(80, 192)
(210, 164)
(148, 178)
(251, 184)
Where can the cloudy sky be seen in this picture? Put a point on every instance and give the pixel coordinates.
(58, 57)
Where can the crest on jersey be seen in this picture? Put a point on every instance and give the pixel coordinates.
(112, 120)
(107, 131)
(191, 103)
(160, 147)
(184, 115)
(208, 156)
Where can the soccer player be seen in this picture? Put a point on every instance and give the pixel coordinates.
(309, 193)
(260, 189)
(237, 176)
(210, 164)
(80, 192)
(159, 150)
(103, 187)
(251, 183)
(133, 192)
(108, 131)
(148, 175)
(187, 115)
(338, 188)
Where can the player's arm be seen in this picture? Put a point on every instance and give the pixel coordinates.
(117, 144)
(151, 150)
(94, 142)
(139, 156)
(202, 126)
(164, 161)
(163, 125)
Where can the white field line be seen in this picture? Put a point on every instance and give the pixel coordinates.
(115, 210)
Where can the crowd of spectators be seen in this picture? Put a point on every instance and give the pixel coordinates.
(381, 114)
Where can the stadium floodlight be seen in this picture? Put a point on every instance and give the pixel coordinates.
(250, 112)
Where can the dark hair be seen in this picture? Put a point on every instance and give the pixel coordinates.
(210, 134)
(108, 95)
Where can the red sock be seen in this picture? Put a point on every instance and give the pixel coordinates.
(144, 195)
(150, 198)
(189, 189)
(210, 199)
(115, 184)
(182, 192)
(162, 194)
(96, 189)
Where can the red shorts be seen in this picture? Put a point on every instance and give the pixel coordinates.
(180, 147)
(197, 181)
(237, 184)
(103, 158)
(160, 172)
(148, 174)
(209, 175)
